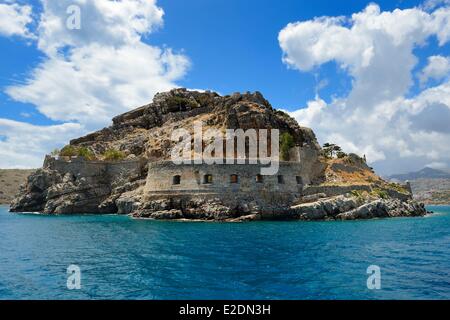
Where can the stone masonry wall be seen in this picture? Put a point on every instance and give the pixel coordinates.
(161, 174)
(78, 166)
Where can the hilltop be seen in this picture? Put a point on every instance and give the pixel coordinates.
(146, 131)
(425, 173)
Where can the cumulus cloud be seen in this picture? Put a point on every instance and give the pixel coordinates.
(21, 144)
(14, 20)
(104, 68)
(432, 4)
(103, 22)
(438, 67)
(97, 82)
(377, 50)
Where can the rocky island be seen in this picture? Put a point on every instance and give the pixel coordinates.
(127, 169)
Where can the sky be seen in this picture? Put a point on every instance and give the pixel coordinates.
(372, 77)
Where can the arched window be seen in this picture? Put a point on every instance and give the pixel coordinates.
(234, 178)
(207, 179)
(280, 179)
(299, 180)
(259, 179)
(176, 180)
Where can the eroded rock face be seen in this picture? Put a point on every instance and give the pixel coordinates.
(50, 191)
(347, 207)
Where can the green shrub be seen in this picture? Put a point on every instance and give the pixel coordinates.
(356, 193)
(286, 143)
(398, 188)
(114, 155)
(379, 193)
(68, 151)
(341, 155)
(181, 103)
(359, 195)
(330, 150)
(86, 153)
(72, 151)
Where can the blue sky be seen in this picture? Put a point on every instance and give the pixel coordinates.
(234, 46)
(57, 84)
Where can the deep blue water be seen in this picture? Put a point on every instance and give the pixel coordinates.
(121, 258)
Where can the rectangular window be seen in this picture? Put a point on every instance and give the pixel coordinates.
(176, 180)
(208, 179)
(234, 178)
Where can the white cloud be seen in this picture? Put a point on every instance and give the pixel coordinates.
(103, 22)
(98, 82)
(376, 49)
(14, 20)
(432, 4)
(438, 67)
(104, 69)
(437, 165)
(22, 144)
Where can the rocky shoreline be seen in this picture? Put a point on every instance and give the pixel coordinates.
(345, 207)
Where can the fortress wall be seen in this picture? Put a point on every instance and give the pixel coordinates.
(79, 166)
(161, 174)
(76, 166)
(124, 168)
(399, 195)
(307, 157)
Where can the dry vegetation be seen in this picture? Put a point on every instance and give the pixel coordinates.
(344, 172)
(10, 180)
(353, 171)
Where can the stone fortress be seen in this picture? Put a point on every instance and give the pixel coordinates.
(147, 184)
(236, 186)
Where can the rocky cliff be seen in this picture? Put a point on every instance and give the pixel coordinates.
(94, 182)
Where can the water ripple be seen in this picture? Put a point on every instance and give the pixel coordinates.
(122, 258)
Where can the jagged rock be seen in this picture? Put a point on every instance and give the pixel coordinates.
(323, 209)
(384, 208)
(373, 209)
(313, 198)
(249, 218)
(167, 215)
(127, 205)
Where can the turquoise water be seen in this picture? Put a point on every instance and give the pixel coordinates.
(121, 258)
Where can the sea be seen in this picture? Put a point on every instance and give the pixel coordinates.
(101, 257)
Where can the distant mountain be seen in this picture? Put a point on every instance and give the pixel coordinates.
(430, 186)
(425, 173)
